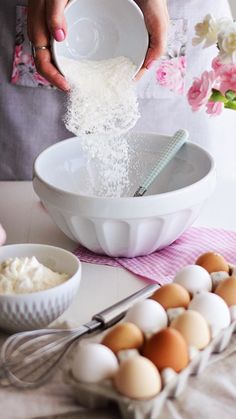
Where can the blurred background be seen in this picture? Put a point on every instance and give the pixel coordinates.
(233, 6)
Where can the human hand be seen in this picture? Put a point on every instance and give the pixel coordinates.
(157, 21)
(2, 235)
(46, 19)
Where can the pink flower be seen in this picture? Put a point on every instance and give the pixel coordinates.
(200, 91)
(214, 108)
(40, 79)
(228, 78)
(15, 75)
(217, 65)
(171, 74)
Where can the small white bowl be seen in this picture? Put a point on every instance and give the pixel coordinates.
(127, 226)
(102, 29)
(19, 312)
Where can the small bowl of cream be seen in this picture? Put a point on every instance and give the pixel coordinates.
(37, 284)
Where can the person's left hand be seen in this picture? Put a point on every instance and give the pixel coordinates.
(157, 21)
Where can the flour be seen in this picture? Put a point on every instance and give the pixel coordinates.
(102, 106)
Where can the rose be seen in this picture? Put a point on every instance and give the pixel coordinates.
(214, 108)
(227, 44)
(171, 74)
(228, 78)
(206, 32)
(200, 91)
(217, 65)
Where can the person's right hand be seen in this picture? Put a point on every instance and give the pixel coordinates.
(2, 235)
(45, 20)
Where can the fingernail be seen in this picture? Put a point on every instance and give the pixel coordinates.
(149, 64)
(59, 35)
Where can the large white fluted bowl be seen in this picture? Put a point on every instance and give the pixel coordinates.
(127, 226)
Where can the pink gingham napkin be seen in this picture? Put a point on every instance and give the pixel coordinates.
(162, 265)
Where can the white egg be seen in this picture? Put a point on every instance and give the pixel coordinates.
(194, 279)
(94, 362)
(213, 308)
(148, 315)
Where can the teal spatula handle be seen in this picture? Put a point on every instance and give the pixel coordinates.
(169, 152)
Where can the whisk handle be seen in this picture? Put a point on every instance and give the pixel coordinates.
(117, 311)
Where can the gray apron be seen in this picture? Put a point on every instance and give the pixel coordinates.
(30, 118)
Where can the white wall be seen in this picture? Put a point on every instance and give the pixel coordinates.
(233, 6)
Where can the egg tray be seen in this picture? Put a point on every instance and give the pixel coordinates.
(102, 394)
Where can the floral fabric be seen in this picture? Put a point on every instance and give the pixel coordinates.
(167, 75)
(24, 72)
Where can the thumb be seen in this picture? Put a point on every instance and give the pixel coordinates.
(55, 18)
(157, 48)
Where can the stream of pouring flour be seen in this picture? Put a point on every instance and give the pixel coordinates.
(102, 106)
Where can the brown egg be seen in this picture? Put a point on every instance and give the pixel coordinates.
(167, 349)
(123, 336)
(227, 290)
(138, 378)
(212, 262)
(172, 296)
(193, 327)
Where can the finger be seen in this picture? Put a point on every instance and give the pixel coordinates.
(140, 74)
(157, 45)
(43, 62)
(36, 24)
(40, 36)
(55, 18)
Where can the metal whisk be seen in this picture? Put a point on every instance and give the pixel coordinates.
(28, 359)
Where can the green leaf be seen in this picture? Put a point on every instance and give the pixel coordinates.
(231, 105)
(230, 95)
(217, 97)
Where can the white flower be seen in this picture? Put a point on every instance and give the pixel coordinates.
(206, 32)
(227, 43)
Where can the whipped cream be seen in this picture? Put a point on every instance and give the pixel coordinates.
(26, 275)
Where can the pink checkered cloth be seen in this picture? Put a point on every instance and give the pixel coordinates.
(162, 265)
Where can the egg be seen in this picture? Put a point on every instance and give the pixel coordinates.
(217, 278)
(138, 378)
(172, 296)
(193, 327)
(227, 290)
(213, 262)
(213, 308)
(148, 315)
(123, 336)
(194, 279)
(167, 349)
(94, 362)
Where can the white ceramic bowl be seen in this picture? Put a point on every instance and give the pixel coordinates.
(125, 226)
(103, 29)
(36, 310)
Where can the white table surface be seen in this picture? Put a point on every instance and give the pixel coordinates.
(25, 220)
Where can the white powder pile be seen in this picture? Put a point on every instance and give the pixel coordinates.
(102, 106)
(26, 274)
